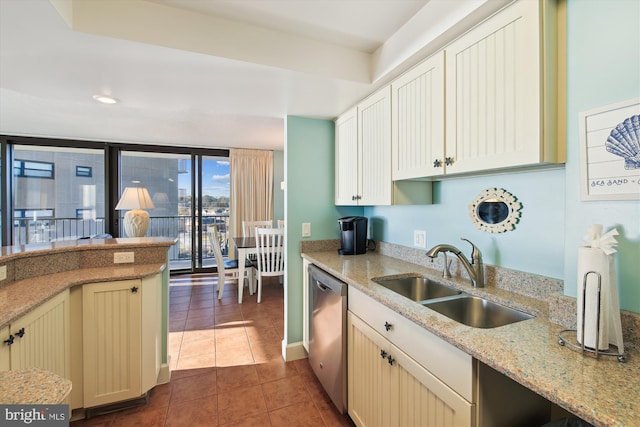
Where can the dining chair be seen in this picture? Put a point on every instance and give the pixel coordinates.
(248, 227)
(270, 254)
(228, 269)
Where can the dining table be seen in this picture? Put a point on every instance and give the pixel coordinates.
(244, 247)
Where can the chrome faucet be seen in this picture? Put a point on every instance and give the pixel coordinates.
(474, 268)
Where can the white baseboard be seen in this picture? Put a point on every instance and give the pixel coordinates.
(164, 376)
(293, 351)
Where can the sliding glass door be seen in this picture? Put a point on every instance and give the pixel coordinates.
(190, 194)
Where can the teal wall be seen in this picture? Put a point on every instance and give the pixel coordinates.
(603, 68)
(309, 189)
(536, 245)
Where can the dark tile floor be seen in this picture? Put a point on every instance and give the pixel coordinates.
(227, 367)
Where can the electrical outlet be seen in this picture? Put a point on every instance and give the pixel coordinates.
(306, 229)
(123, 257)
(420, 239)
(3, 272)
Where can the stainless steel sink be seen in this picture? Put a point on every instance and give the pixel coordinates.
(477, 312)
(417, 288)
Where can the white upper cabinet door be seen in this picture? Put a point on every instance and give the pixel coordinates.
(494, 91)
(374, 143)
(417, 121)
(346, 163)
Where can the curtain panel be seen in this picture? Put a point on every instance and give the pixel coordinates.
(251, 188)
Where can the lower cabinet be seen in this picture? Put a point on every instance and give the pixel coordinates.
(120, 361)
(39, 339)
(388, 388)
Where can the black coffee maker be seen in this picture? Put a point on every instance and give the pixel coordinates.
(353, 235)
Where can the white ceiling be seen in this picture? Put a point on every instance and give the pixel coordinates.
(207, 73)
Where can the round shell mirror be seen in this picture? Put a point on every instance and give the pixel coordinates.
(495, 210)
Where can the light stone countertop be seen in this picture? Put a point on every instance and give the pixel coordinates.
(601, 391)
(33, 386)
(19, 298)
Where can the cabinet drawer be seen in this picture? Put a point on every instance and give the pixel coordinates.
(448, 363)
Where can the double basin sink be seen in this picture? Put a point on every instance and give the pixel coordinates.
(463, 308)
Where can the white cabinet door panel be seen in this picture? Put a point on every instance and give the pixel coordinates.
(347, 172)
(417, 121)
(493, 92)
(374, 144)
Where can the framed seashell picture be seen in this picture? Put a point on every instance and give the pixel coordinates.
(610, 152)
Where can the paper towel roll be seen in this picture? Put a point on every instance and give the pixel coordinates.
(594, 259)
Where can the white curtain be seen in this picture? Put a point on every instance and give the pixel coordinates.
(251, 188)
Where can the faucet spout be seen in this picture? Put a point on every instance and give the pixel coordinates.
(474, 268)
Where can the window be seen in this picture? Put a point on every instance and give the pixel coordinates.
(33, 214)
(31, 169)
(84, 171)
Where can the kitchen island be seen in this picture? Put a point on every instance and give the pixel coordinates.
(88, 310)
(601, 391)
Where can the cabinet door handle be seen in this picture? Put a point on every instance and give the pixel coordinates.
(134, 290)
(437, 163)
(390, 360)
(20, 333)
(388, 326)
(9, 340)
(448, 161)
(383, 354)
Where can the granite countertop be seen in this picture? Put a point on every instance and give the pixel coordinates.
(20, 251)
(33, 386)
(601, 391)
(19, 298)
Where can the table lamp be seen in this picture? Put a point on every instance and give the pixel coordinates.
(136, 220)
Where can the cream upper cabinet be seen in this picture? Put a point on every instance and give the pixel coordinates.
(346, 162)
(374, 146)
(500, 105)
(363, 152)
(417, 121)
(39, 339)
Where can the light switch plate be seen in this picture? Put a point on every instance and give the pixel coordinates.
(306, 229)
(123, 257)
(420, 239)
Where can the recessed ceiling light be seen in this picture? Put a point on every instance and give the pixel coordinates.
(105, 99)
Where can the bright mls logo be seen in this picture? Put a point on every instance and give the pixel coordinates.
(37, 415)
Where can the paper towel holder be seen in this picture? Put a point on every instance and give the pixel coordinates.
(564, 341)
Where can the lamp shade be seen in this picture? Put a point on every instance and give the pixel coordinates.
(136, 220)
(135, 198)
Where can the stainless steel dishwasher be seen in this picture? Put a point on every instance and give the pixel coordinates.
(328, 334)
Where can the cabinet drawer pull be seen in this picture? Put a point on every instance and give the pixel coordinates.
(20, 333)
(134, 290)
(390, 360)
(9, 340)
(388, 326)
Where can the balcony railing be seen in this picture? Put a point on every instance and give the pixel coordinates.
(27, 231)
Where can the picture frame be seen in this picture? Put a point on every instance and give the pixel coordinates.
(610, 152)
